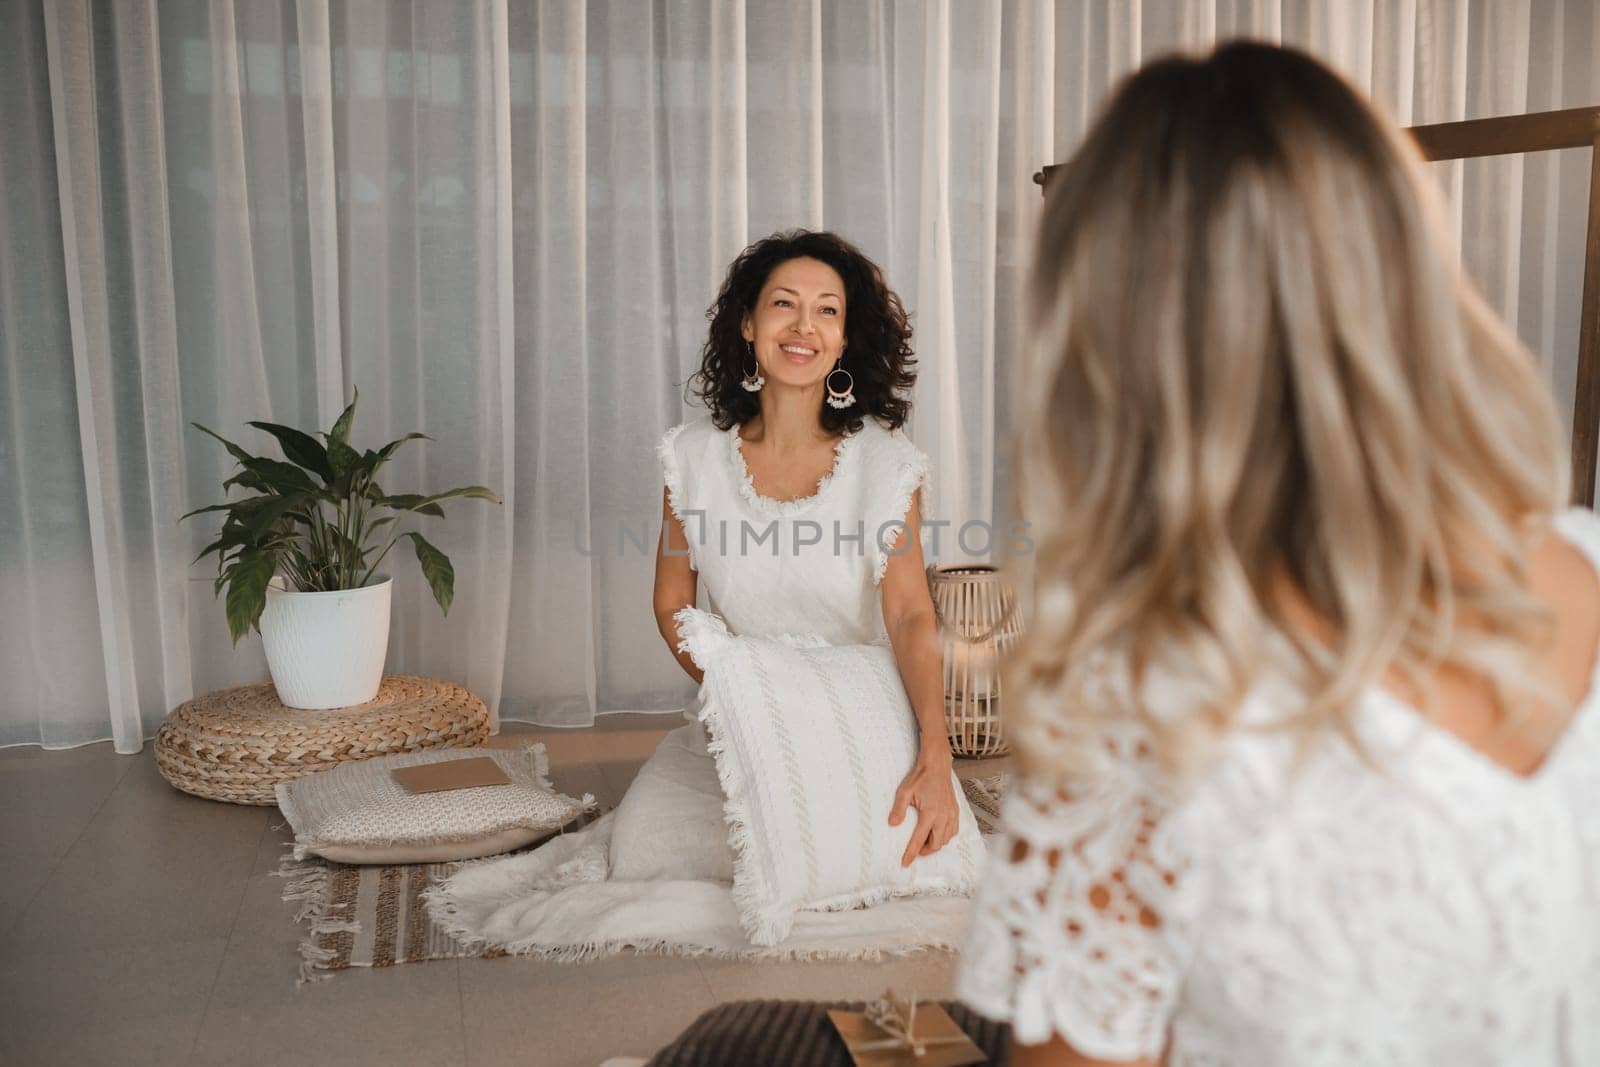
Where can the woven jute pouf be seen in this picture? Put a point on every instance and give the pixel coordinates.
(237, 744)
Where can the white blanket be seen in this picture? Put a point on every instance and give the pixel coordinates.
(560, 901)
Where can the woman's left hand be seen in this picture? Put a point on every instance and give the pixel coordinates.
(927, 788)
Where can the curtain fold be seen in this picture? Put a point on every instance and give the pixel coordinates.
(503, 221)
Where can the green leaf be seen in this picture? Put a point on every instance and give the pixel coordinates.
(236, 507)
(344, 461)
(233, 536)
(247, 591)
(206, 510)
(233, 450)
(436, 568)
(282, 477)
(473, 492)
(412, 502)
(261, 519)
(250, 480)
(365, 471)
(267, 473)
(300, 448)
(415, 502)
(393, 446)
(341, 428)
(429, 505)
(250, 510)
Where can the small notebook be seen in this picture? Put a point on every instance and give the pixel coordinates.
(467, 773)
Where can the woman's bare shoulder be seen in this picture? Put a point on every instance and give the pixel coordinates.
(1562, 574)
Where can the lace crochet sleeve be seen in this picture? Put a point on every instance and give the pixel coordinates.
(672, 478)
(1084, 922)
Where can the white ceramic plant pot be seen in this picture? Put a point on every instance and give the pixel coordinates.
(326, 650)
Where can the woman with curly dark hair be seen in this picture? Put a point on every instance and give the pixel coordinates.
(803, 372)
(873, 362)
(797, 502)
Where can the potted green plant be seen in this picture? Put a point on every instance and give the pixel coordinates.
(299, 558)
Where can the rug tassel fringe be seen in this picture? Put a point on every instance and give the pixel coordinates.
(310, 885)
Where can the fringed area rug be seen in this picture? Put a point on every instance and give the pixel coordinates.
(366, 916)
(372, 916)
(375, 916)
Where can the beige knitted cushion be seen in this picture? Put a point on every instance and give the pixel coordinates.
(358, 813)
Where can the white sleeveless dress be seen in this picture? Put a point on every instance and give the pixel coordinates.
(811, 565)
(768, 567)
(657, 872)
(1441, 911)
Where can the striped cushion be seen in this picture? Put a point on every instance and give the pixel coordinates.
(811, 741)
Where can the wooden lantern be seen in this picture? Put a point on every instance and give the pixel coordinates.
(978, 626)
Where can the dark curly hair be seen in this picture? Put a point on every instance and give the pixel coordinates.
(877, 334)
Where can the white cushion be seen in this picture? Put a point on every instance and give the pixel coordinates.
(811, 741)
(358, 813)
(669, 826)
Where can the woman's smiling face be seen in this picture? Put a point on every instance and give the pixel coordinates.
(797, 325)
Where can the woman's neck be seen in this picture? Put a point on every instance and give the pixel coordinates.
(787, 423)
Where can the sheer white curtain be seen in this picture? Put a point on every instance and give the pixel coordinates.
(503, 222)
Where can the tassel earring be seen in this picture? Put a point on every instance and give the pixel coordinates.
(753, 381)
(841, 400)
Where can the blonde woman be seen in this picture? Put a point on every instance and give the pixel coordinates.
(1310, 750)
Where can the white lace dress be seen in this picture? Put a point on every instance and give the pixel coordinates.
(810, 565)
(1443, 911)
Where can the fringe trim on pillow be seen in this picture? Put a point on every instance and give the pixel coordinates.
(866, 898)
(705, 636)
(765, 925)
(702, 634)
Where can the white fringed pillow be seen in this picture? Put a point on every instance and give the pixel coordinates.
(358, 813)
(811, 741)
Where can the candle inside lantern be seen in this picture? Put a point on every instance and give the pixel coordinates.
(973, 668)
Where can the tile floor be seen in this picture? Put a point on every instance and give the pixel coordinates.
(140, 925)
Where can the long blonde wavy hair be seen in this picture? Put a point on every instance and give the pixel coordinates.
(1254, 364)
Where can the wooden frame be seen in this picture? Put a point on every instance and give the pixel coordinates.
(1538, 132)
(1545, 131)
